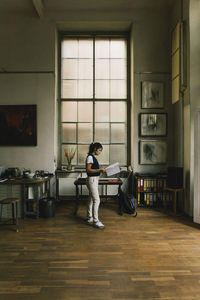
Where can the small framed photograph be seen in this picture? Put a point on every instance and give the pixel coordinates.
(153, 152)
(153, 124)
(152, 94)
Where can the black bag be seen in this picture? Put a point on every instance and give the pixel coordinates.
(127, 204)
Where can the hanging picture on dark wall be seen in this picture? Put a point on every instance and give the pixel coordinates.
(152, 94)
(18, 125)
(153, 152)
(153, 124)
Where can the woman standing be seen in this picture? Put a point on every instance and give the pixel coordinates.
(93, 172)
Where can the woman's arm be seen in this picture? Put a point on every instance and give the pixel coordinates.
(90, 170)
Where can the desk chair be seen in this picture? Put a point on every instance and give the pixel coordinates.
(14, 203)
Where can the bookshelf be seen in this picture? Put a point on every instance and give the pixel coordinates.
(150, 190)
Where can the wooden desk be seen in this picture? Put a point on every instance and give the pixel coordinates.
(82, 181)
(174, 192)
(41, 189)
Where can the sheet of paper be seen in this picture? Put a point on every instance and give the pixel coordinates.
(112, 169)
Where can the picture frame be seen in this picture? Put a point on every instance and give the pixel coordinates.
(152, 152)
(18, 125)
(153, 124)
(152, 94)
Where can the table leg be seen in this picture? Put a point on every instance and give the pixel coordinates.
(37, 193)
(76, 200)
(57, 189)
(1, 211)
(24, 200)
(165, 204)
(175, 202)
(17, 224)
(13, 213)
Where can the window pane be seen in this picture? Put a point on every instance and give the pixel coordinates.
(85, 89)
(118, 153)
(82, 154)
(118, 111)
(69, 148)
(85, 111)
(118, 89)
(101, 120)
(102, 68)
(102, 89)
(85, 48)
(69, 112)
(69, 133)
(103, 158)
(102, 48)
(102, 132)
(85, 133)
(69, 69)
(70, 48)
(118, 68)
(85, 69)
(118, 133)
(118, 48)
(102, 111)
(69, 88)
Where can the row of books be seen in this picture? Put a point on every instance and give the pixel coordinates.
(151, 184)
(152, 199)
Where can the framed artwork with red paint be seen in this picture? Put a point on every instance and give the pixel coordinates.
(18, 125)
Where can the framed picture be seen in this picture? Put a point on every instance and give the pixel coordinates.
(18, 125)
(153, 124)
(153, 152)
(152, 94)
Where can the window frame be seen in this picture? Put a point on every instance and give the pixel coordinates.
(93, 35)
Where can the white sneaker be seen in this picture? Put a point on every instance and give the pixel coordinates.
(98, 224)
(89, 220)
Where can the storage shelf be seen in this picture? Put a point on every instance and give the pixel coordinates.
(150, 190)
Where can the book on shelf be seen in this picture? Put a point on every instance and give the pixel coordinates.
(145, 185)
(150, 189)
(148, 198)
(138, 185)
(145, 198)
(141, 185)
(149, 184)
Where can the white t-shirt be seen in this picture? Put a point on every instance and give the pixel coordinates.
(89, 159)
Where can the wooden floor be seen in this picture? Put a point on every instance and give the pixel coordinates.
(153, 256)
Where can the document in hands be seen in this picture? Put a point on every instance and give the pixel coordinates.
(112, 169)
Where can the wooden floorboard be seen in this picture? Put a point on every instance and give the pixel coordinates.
(154, 256)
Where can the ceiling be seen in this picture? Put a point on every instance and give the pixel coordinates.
(49, 6)
(105, 4)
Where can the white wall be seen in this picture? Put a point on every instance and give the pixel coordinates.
(31, 89)
(27, 76)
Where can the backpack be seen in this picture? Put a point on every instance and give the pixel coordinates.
(127, 204)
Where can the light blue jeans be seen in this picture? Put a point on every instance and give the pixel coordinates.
(94, 199)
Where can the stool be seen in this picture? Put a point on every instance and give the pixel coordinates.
(14, 203)
(174, 191)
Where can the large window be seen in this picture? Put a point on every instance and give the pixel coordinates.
(94, 97)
